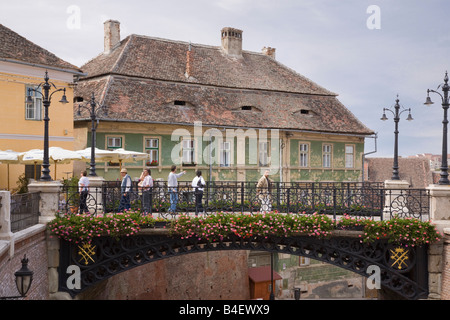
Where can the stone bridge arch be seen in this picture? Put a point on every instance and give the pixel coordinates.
(403, 270)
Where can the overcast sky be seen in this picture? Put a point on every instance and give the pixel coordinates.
(365, 51)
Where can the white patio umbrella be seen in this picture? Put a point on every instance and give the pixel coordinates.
(100, 154)
(128, 155)
(9, 157)
(55, 155)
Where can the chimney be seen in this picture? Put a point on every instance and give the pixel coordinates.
(232, 41)
(269, 52)
(112, 34)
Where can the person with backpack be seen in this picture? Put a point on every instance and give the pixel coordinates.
(198, 183)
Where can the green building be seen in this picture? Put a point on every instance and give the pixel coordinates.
(229, 112)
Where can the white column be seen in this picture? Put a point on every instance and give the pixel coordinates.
(393, 190)
(95, 184)
(49, 204)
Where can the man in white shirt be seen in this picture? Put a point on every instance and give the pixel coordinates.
(172, 184)
(147, 184)
(83, 188)
(198, 183)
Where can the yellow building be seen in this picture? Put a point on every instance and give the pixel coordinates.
(22, 66)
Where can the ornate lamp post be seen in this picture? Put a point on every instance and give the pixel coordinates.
(24, 277)
(95, 109)
(445, 104)
(46, 101)
(396, 114)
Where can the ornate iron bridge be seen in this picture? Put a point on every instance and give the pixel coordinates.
(334, 198)
(400, 269)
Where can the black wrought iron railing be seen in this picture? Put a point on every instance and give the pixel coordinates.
(24, 210)
(335, 199)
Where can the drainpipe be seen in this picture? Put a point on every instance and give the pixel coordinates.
(364, 155)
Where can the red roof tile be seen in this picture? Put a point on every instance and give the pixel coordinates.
(262, 274)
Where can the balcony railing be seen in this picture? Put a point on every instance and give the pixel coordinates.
(334, 199)
(24, 210)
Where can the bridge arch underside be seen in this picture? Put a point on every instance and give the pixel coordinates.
(399, 269)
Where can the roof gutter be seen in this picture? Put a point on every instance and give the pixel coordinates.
(359, 135)
(79, 73)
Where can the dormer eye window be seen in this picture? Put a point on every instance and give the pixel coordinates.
(179, 103)
(247, 109)
(305, 112)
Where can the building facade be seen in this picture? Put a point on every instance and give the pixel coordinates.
(22, 66)
(228, 112)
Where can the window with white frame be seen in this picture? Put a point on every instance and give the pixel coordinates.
(263, 154)
(349, 156)
(33, 111)
(113, 143)
(152, 149)
(225, 154)
(188, 151)
(304, 154)
(326, 155)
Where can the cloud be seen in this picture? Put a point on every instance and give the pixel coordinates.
(327, 41)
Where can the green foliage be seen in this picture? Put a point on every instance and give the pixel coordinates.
(22, 185)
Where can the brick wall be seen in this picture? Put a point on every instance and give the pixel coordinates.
(220, 275)
(34, 247)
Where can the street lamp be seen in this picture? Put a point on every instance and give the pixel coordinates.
(445, 104)
(46, 86)
(24, 277)
(396, 114)
(95, 109)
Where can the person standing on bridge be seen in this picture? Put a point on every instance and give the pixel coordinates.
(172, 184)
(83, 188)
(147, 185)
(125, 190)
(263, 189)
(198, 183)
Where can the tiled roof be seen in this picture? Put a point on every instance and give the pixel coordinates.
(262, 274)
(14, 47)
(143, 76)
(153, 58)
(414, 170)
